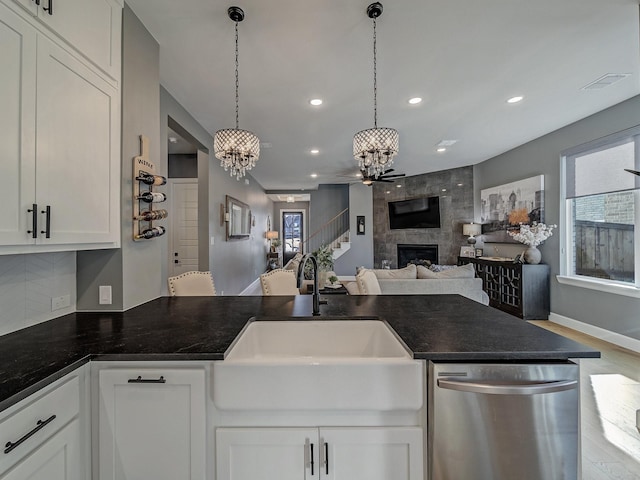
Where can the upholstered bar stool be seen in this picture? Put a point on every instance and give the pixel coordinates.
(192, 284)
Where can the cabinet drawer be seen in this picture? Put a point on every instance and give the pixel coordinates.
(28, 427)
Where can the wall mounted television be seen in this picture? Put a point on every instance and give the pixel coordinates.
(423, 212)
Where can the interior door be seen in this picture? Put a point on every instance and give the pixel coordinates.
(292, 234)
(184, 226)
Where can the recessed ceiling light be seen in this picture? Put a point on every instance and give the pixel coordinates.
(441, 149)
(314, 151)
(415, 100)
(398, 186)
(444, 189)
(315, 102)
(388, 191)
(515, 99)
(460, 184)
(173, 140)
(314, 175)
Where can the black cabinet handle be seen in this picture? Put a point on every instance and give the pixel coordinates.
(34, 221)
(47, 222)
(49, 9)
(311, 459)
(37, 2)
(326, 458)
(145, 380)
(40, 424)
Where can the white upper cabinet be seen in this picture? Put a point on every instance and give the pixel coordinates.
(17, 128)
(77, 150)
(60, 132)
(92, 27)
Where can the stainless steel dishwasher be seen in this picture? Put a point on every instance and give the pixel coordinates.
(503, 421)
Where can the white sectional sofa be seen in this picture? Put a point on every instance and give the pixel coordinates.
(419, 280)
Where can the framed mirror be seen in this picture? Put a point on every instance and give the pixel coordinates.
(238, 218)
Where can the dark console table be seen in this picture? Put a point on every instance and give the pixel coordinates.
(519, 289)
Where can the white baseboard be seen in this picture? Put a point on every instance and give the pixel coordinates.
(601, 333)
(254, 288)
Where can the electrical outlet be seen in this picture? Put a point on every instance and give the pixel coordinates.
(105, 295)
(58, 303)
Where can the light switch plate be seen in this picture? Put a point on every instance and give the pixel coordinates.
(105, 295)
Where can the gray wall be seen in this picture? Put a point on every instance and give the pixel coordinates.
(616, 313)
(456, 208)
(326, 202)
(134, 271)
(183, 165)
(361, 252)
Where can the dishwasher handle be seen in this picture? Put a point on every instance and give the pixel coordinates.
(492, 388)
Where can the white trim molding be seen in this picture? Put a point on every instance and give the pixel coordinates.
(600, 285)
(598, 332)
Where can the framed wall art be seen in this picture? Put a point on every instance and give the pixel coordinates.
(505, 207)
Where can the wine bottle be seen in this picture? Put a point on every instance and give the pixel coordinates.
(150, 215)
(151, 232)
(152, 197)
(150, 179)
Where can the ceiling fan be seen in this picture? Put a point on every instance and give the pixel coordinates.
(383, 177)
(635, 172)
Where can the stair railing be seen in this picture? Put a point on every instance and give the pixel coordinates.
(330, 233)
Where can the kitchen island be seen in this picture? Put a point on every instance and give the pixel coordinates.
(433, 327)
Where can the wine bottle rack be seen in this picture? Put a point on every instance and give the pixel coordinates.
(142, 166)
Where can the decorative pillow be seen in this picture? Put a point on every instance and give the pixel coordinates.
(368, 283)
(465, 271)
(407, 272)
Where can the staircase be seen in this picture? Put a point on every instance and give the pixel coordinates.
(334, 233)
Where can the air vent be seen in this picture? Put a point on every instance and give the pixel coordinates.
(605, 81)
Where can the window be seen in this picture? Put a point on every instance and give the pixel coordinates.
(601, 217)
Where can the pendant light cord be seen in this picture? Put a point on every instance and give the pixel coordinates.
(237, 82)
(375, 77)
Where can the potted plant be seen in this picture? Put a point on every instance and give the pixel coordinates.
(532, 235)
(324, 258)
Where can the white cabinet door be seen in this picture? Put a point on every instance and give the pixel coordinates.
(267, 453)
(90, 26)
(151, 424)
(17, 128)
(56, 459)
(77, 150)
(385, 453)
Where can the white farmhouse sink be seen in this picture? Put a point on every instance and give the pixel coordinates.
(318, 365)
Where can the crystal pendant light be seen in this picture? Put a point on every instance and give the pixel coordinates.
(236, 149)
(375, 147)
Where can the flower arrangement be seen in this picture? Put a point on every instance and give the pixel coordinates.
(532, 235)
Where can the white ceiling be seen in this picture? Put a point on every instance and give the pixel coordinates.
(463, 57)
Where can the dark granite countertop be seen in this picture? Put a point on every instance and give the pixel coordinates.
(434, 327)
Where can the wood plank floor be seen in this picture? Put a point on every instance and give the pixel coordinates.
(610, 396)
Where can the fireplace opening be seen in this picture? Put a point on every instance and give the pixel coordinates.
(417, 254)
